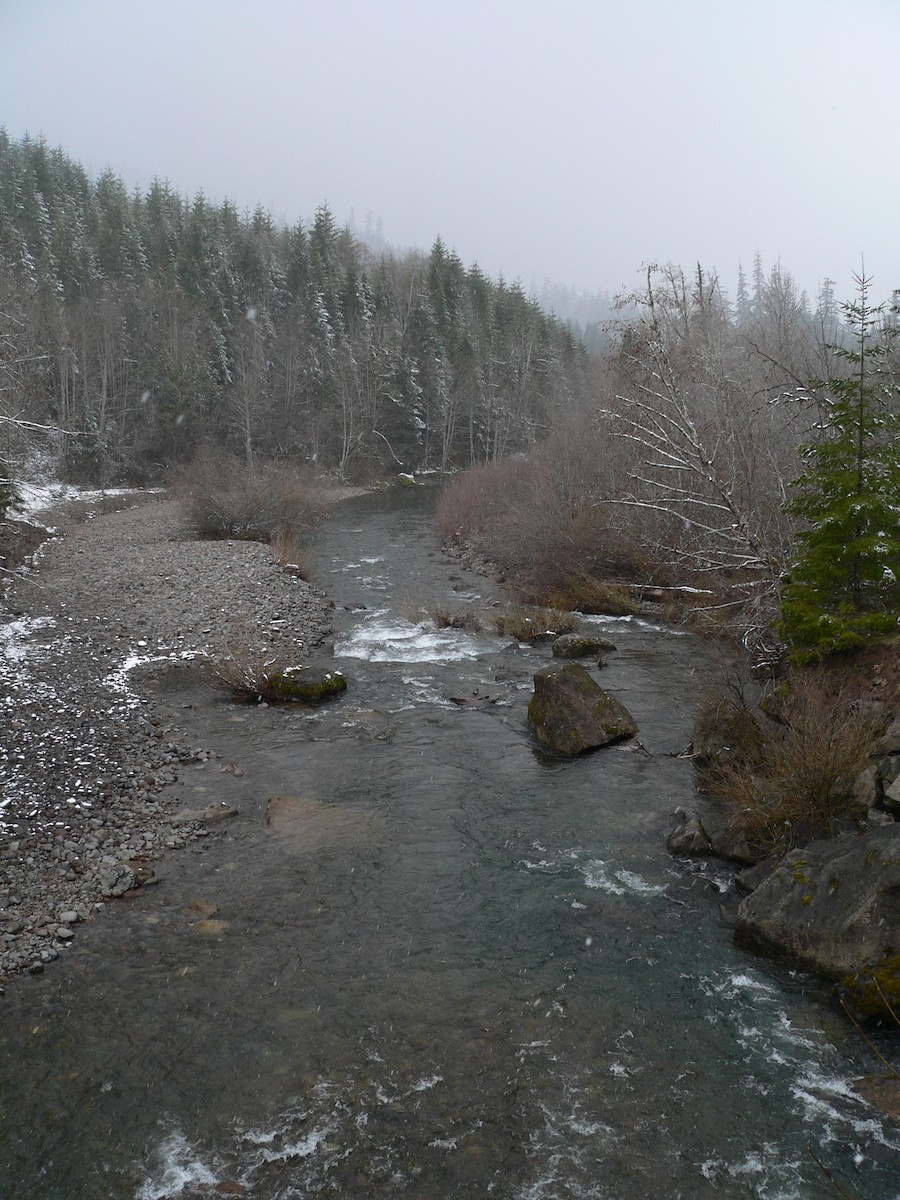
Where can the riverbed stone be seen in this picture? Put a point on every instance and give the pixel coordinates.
(580, 645)
(571, 713)
(832, 907)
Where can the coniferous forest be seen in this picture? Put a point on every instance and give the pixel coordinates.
(142, 326)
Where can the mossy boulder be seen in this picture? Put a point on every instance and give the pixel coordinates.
(571, 713)
(868, 992)
(305, 685)
(832, 907)
(580, 645)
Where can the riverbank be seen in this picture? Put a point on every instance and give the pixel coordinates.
(86, 760)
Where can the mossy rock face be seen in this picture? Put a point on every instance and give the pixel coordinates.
(579, 645)
(571, 713)
(868, 993)
(305, 685)
(832, 907)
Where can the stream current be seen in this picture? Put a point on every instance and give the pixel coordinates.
(442, 962)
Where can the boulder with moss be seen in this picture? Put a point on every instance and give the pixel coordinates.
(571, 713)
(833, 908)
(305, 685)
(580, 645)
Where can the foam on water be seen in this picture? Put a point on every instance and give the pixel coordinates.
(176, 1167)
(617, 881)
(385, 638)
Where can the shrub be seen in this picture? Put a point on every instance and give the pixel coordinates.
(245, 674)
(585, 593)
(290, 554)
(442, 617)
(529, 624)
(791, 778)
(222, 497)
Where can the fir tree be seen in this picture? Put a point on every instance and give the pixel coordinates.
(843, 586)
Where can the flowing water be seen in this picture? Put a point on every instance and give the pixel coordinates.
(447, 964)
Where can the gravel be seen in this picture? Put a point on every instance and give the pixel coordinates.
(86, 760)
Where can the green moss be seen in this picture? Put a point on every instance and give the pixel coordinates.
(305, 685)
(799, 875)
(866, 991)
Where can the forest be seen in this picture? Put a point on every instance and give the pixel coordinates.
(742, 452)
(139, 327)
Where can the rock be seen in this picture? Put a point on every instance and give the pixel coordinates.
(306, 685)
(571, 713)
(202, 909)
(714, 836)
(209, 928)
(891, 799)
(877, 816)
(407, 480)
(117, 879)
(866, 792)
(889, 742)
(689, 836)
(579, 645)
(881, 1091)
(831, 907)
(868, 992)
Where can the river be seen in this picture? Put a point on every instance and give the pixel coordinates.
(447, 965)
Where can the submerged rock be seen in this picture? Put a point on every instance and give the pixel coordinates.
(571, 713)
(833, 907)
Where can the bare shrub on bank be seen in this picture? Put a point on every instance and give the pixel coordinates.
(224, 497)
(547, 520)
(791, 778)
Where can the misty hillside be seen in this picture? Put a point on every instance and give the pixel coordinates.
(143, 325)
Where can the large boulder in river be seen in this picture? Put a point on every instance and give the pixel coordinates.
(833, 907)
(571, 713)
(580, 645)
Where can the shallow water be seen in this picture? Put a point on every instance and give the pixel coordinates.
(447, 964)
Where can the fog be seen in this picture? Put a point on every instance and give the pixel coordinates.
(571, 141)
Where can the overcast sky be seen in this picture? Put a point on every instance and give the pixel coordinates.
(573, 140)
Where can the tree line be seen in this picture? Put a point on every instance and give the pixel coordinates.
(745, 451)
(136, 327)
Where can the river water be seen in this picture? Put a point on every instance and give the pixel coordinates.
(448, 964)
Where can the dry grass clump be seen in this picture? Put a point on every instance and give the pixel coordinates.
(527, 624)
(791, 778)
(290, 554)
(585, 593)
(223, 497)
(442, 617)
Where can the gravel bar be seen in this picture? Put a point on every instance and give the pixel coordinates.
(86, 760)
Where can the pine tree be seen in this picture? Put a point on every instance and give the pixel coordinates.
(843, 586)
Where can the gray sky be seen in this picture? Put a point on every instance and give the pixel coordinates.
(573, 140)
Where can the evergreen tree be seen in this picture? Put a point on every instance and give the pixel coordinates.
(843, 586)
